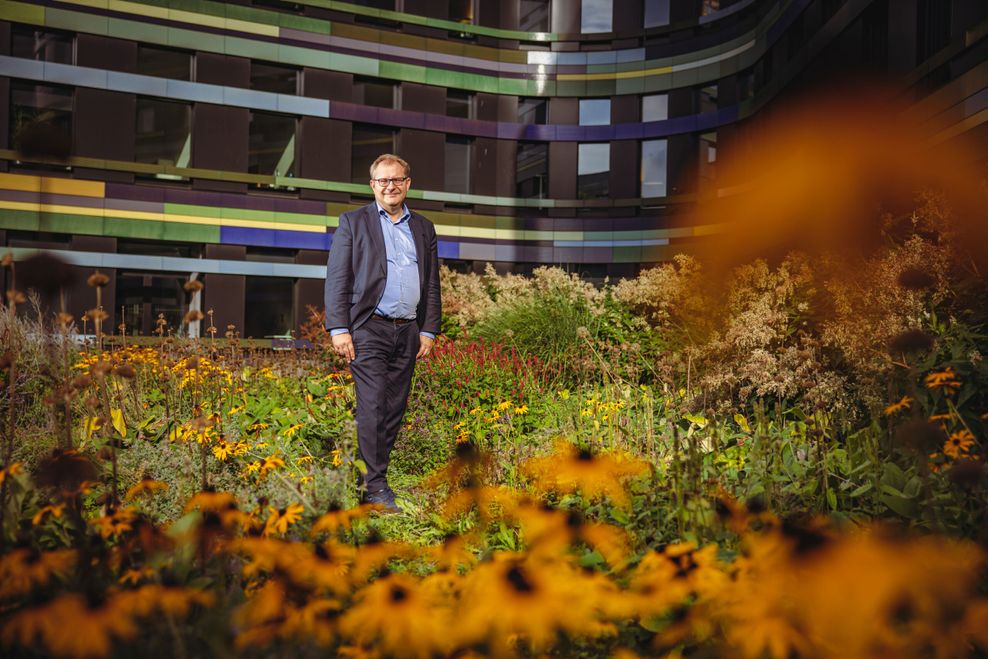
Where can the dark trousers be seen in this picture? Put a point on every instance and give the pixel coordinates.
(382, 375)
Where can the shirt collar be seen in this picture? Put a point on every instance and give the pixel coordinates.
(383, 213)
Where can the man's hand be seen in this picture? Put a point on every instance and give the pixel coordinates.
(425, 346)
(343, 346)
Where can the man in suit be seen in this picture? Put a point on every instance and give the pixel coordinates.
(383, 310)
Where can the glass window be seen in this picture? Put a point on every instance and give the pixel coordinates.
(653, 168)
(41, 119)
(709, 7)
(655, 107)
(164, 63)
(595, 111)
(533, 111)
(273, 78)
(532, 170)
(459, 104)
(163, 132)
(461, 11)
(271, 149)
(533, 15)
(656, 13)
(143, 296)
(746, 85)
(41, 44)
(379, 4)
(708, 99)
(368, 143)
(596, 16)
(269, 301)
(708, 158)
(593, 170)
(458, 164)
(373, 91)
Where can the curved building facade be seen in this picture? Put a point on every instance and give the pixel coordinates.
(159, 140)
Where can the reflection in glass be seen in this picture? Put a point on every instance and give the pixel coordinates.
(268, 301)
(271, 146)
(41, 119)
(533, 111)
(655, 107)
(164, 63)
(708, 99)
(163, 135)
(532, 170)
(368, 143)
(596, 16)
(593, 170)
(656, 13)
(273, 78)
(461, 11)
(373, 91)
(458, 164)
(709, 7)
(708, 159)
(143, 296)
(43, 45)
(595, 111)
(533, 15)
(653, 168)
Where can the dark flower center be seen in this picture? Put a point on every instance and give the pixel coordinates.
(519, 581)
(398, 594)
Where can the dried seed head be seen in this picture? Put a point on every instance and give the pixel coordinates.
(101, 368)
(15, 297)
(916, 279)
(64, 319)
(96, 314)
(81, 381)
(192, 364)
(193, 285)
(125, 370)
(910, 341)
(6, 359)
(98, 280)
(193, 316)
(7, 260)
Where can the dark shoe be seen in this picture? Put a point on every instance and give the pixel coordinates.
(384, 498)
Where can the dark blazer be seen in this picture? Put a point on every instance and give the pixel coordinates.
(357, 270)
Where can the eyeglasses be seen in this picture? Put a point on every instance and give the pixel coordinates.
(385, 182)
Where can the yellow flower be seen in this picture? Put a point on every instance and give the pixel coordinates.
(146, 486)
(211, 502)
(270, 463)
(70, 627)
(903, 404)
(291, 430)
(55, 511)
(395, 616)
(115, 523)
(945, 379)
(23, 569)
(337, 457)
(279, 520)
(521, 410)
(959, 443)
(337, 519)
(572, 468)
(305, 459)
(11, 470)
(223, 450)
(504, 405)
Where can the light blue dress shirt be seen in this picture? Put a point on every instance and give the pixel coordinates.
(401, 288)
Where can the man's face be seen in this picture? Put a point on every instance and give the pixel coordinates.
(391, 195)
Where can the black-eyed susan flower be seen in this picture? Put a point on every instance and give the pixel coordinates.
(12, 469)
(115, 523)
(337, 519)
(70, 626)
(574, 469)
(23, 569)
(279, 519)
(145, 486)
(959, 444)
(395, 617)
(902, 404)
(211, 501)
(53, 510)
(946, 380)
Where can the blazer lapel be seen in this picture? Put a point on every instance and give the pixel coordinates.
(379, 253)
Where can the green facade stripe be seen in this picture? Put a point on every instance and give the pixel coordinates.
(21, 12)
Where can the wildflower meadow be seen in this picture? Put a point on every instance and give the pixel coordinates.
(784, 458)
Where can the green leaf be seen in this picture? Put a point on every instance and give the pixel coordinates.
(861, 490)
(901, 505)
